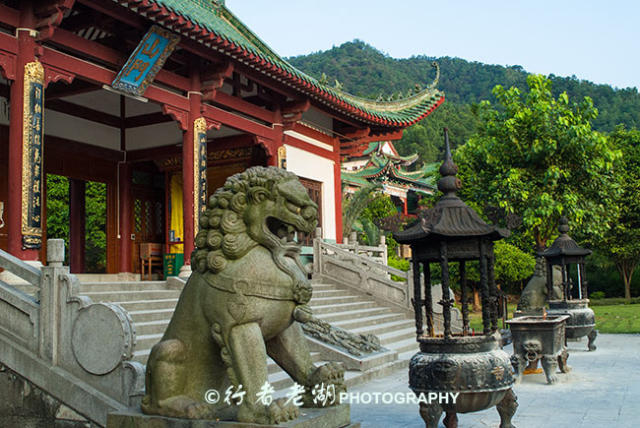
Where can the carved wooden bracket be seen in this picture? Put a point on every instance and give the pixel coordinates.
(292, 111)
(268, 145)
(7, 65)
(179, 115)
(54, 74)
(212, 124)
(213, 80)
(355, 134)
(49, 16)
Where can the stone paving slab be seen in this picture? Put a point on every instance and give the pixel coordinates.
(602, 390)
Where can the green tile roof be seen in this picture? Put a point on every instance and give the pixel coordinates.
(222, 30)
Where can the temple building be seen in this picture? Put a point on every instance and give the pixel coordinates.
(159, 101)
(381, 163)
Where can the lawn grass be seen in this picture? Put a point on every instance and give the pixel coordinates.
(616, 319)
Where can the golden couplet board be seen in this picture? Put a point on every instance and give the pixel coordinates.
(199, 170)
(32, 155)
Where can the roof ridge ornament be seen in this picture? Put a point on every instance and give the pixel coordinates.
(433, 84)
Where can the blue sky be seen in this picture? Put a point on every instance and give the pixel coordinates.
(594, 40)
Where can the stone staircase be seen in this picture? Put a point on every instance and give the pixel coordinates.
(151, 304)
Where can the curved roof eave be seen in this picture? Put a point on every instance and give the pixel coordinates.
(217, 28)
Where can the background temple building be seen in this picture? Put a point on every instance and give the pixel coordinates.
(381, 163)
(159, 102)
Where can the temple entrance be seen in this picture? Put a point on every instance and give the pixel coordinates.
(75, 211)
(148, 213)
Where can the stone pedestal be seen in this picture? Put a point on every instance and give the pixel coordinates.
(329, 417)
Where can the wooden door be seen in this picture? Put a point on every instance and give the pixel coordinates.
(147, 220)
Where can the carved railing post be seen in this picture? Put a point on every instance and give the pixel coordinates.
(383, 248)
(50, 301)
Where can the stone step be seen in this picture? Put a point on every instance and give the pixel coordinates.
(322, 286)
(403, 346)
(386, 339)
(151, 314)
(127, 296)
(331, 293)
(318, 301)
(384, 328)
(332, 317)
(143, 305)
(151, 327)
(369, 321)
(146, 341)
(323, 309)
(89, 287)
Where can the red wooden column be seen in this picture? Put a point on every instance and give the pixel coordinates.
(188, 168)
(337, 182)
(405, 210)
(26, 54)
(124, 213)
(77, 225)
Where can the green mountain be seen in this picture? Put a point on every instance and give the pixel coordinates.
(365, 71)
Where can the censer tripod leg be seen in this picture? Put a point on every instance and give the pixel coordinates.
(451, 420)
(430, 414)
(507, 408)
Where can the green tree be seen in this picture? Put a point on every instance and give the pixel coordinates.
(622, 241)
(353, 206)
(537, 157)
(512, 266)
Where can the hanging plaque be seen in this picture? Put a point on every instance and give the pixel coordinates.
(146, 61)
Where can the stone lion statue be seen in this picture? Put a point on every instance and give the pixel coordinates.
(240, 305)
(534, 295)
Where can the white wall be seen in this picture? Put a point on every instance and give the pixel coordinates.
(314, 167)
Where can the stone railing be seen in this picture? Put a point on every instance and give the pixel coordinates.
(350, 244)
(77, 351)
(334, 263)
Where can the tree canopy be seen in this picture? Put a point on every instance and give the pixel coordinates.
(622, 241)
(537, 156)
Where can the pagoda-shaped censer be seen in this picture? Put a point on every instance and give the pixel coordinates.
(473, 365)
(565, 252)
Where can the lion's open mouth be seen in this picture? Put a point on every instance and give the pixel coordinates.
(284, 231)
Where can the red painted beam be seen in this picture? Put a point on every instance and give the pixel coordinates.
(9, 16)
(111, 57)
(245, 107)
(146, 120)
(303, 145)
(237, 122)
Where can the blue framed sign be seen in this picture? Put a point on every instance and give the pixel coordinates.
(146, 61)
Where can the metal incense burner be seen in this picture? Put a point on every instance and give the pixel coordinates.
(539, 338)
(475, 366)
(574, 303)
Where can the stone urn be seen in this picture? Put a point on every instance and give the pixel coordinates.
(581, 321)
(474, 366)
(539, 338)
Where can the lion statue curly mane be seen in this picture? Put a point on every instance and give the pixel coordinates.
(243, 302)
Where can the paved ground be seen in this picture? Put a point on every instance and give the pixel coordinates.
(602, 390)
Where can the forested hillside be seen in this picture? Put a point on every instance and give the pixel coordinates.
(365, 71)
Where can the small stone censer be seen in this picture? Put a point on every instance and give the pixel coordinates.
(566, 252)
(473, 365)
